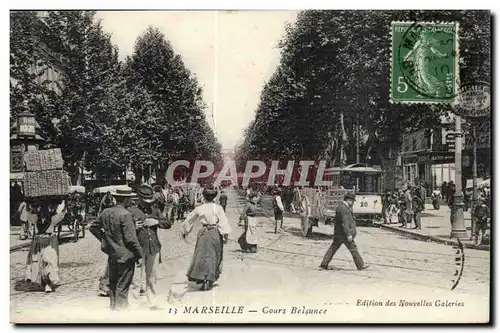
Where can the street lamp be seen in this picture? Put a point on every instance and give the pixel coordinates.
(458, 225)
(473, 101)
(25, 138)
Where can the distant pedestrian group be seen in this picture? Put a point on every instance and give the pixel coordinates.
(404, 206)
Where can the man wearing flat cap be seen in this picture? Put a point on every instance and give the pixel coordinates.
(344, 233)
(116, 230)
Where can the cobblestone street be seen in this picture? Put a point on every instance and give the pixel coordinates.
(286, 264)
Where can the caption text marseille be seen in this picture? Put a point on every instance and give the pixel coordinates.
(253, 170)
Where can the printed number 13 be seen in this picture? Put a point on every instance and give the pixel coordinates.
(402, 86)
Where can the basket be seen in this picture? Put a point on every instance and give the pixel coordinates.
(46, 183)
(47, 159)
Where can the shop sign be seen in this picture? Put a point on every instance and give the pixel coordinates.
(483, 140)
(442, 157)
(423, 158)
(410, 160)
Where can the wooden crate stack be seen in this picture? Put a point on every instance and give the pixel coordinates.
(44, 174)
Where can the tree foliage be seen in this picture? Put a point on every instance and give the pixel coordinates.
(335, 62)
(179, 118)
(107, 114)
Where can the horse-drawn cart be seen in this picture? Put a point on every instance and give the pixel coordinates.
(73, 208)
(317, 206)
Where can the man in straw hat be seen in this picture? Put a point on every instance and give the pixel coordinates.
(344, 233)
(149, 218)
(116, 230)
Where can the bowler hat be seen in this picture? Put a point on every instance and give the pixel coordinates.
(350, 196)
(123, 192)
(146, 193)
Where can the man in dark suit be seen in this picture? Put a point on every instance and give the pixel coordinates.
(223, 200)
(115, 229)
(344, 233)
(148, 218)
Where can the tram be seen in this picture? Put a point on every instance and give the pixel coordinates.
(366, 182)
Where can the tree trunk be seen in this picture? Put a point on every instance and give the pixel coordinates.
(390, 172)
(160, 175)
(138, 174)
(75, 179)
(80, 168)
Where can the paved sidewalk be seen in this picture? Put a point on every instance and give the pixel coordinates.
(436, 227)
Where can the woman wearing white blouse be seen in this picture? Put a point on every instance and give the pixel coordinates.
(206, 264)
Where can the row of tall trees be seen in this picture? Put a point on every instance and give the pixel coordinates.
(338, 62)
(104, 113)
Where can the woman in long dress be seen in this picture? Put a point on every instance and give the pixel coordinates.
(42, 263)
(248, 240)
(206, 264)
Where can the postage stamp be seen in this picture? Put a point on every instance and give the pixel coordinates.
(424, 62)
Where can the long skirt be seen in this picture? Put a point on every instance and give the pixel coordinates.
(206, 264)
(392, 214)
(42, 263)
(248, 240)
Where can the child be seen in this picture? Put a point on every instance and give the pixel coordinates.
(278, 210)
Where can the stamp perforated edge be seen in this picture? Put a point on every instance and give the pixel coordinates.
(457, 62)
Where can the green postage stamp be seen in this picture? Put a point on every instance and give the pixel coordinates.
(424, 62)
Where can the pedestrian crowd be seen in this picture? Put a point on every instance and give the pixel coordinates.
(405, 206)
(127, 227)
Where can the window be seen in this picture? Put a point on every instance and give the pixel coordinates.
(410, 173)
(365, 183)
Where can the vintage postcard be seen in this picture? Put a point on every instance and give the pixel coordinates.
(314, 166)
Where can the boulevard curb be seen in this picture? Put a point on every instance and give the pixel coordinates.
(427, 238)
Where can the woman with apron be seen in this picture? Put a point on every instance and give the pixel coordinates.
(206, 265)
(42, 264)
(248, 240)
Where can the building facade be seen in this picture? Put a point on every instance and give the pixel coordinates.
(429, 156)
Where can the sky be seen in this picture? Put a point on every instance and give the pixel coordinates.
(232, 53)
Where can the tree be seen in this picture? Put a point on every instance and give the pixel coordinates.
(330, 65)
(179, 117)
(89, 69)
(105, 114)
